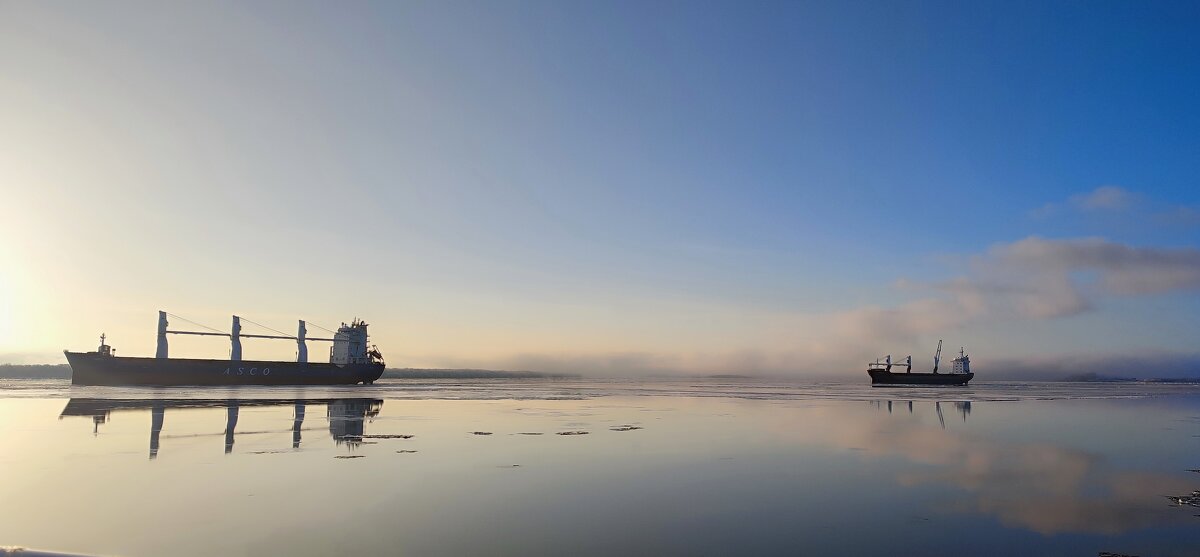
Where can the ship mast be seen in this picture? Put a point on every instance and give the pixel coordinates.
(301, 348)
(162, 335)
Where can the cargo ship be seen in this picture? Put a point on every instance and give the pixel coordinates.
(351, 360)
(881, 371)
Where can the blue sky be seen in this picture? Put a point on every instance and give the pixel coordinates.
(667, 186)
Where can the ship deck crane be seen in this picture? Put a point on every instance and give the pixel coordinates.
(235, 336)
(886, 363)
(937, 358)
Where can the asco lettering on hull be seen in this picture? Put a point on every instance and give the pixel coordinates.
(251, 371)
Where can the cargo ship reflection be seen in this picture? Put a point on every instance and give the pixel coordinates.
(346, 416)
(963, 408)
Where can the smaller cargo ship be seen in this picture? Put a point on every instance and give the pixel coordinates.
(351, 360)
(881, 371)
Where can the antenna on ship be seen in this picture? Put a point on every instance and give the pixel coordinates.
(104, 349)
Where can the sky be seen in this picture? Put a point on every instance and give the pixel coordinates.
(785, 188)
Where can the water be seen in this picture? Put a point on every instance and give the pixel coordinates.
(665, 467)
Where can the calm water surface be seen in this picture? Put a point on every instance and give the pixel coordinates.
(662, 467)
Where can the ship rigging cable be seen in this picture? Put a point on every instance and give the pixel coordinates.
(265, 327)
(282, 334)
(194, 323)
(320, 327)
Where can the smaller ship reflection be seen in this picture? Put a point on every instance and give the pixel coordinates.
(1190, 500)
(963, 408)
(347, 416)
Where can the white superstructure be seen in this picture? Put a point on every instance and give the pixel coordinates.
(350, 344)
(962, 364)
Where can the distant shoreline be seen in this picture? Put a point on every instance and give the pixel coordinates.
(36, 371)
(417, 373)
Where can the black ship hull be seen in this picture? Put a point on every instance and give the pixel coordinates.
(101, 407)
(884, 377)
(92, 368)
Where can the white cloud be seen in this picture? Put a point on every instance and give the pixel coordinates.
(1107, 198)
(1033, 278)
(1103, 198)
(1120, 269)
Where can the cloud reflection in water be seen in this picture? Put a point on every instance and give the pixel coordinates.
(1047, 488)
